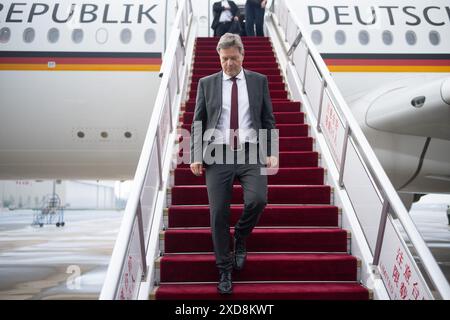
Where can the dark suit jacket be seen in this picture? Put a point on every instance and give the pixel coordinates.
(217, 10)
(208, 109)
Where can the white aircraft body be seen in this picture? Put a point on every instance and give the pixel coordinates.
(78, 82)
(391, 61)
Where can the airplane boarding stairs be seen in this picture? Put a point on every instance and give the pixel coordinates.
(297, 250)
(332, 226)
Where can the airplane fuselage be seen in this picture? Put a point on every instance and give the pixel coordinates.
(78, 81)
(391, 50)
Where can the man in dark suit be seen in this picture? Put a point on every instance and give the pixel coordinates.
(233, 135)
(225, 13)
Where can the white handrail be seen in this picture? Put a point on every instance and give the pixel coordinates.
(377, 172)
(174, 36)
(125, 236)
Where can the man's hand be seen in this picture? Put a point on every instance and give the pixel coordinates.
(272, 162)
(263, 4)
(197, 168)
(236, 18)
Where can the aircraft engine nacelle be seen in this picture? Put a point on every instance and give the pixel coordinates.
(409, 143)
(419, 110)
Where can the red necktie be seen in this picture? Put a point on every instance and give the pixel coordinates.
(234, 115)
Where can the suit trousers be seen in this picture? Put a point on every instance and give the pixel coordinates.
(222, 28)
(254, 17)
(219, 182)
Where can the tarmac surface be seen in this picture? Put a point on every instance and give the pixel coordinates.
(52, 262)
(70, 262)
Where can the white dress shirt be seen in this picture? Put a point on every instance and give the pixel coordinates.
(246, 132)
(226, 14)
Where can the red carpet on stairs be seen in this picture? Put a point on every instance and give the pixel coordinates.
(297, 250)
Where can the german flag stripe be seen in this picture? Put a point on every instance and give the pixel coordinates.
(80, 61)
(387, 62)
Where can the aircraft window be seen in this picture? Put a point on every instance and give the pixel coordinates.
(364, 37)
(435, 38)
(53, 35)
(5, 35)
(80, 134)
(388, 38)
(150, 36)
(339, 36)
(101, 36)
(411, 37)
(77, 35)
(125, 36)
(104, 134)
(28, 35)
(316, 37)
(128, 134)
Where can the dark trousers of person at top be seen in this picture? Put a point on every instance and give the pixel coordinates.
(254, 17)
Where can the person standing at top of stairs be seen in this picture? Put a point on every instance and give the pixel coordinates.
(254, 17)
(231, 107)
(225, 14)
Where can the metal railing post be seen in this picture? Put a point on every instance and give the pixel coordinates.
(142, 241)
(304, 73)
(171, 120)
(344, 155)
(158, 153)
(170, 110)
(319, 115)
(183, 47)
(381, 229)
(170, 105)
(294, 46)
(272, 7)
(285, 32)
(178, 75)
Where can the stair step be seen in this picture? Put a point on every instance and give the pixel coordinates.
(276, 216)
(284, 176)
(248, 47)
(248, 61)
(270, 78)
(274, 93)
(285, 143)
(272, 85)
(286, 159)
(216, 68)
(213, 44)
(203, 72)
(194, 195)
(280, 117)
(285, 130)
(260, 267)
(253, 39)
(278, 106)
(249, 52)
(244, 39)
(215, 65)
(265, 291)
(246, 64)
(262, 240)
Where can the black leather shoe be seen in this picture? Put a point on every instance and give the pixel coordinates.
(225, 285)
(240, 253)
